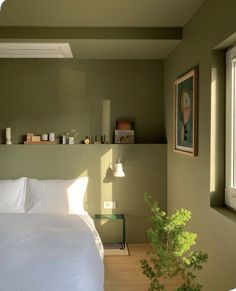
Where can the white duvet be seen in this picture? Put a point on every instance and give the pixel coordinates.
(45, 252)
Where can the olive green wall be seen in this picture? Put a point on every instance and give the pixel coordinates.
(57, 95)
(144, 167)
(188, 179)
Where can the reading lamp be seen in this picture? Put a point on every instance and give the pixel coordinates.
(118, 172)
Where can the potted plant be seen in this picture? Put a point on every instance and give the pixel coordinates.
(169, 254)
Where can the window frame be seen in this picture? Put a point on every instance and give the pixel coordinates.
(230, 145)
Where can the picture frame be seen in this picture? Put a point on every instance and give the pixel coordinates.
(185, 127)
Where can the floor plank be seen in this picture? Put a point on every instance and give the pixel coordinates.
(123, 273)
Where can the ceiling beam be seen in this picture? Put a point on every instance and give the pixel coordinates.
(155, 33)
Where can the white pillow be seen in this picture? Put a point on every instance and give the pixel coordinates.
(56, 196)
(12, 195)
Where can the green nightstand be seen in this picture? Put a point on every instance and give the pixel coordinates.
(114, 216)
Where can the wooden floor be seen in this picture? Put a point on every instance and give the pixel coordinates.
(124, 273)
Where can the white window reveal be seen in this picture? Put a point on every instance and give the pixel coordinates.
(230, 189)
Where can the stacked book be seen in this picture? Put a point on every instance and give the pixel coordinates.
(124, 132)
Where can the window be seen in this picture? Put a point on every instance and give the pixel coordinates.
(230, 189)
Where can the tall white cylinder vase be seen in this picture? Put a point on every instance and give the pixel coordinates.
(8, 135)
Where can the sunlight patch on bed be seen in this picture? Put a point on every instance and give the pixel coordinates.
(75, 195)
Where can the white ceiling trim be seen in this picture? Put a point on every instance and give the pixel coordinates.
(35, 50)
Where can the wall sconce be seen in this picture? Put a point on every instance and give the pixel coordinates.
(112, 174)
(1, 1)
(118, 172)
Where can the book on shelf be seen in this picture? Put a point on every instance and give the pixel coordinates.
(124, 136)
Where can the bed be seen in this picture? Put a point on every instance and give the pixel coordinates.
(45, 243)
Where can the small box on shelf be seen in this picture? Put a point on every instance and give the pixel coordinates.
(124, 136)
(29, 136)
(124, 132)
(124, 125)
(36, 138)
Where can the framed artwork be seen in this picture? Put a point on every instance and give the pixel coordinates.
(185, 113)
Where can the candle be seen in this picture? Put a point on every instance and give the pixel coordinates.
(51, 136)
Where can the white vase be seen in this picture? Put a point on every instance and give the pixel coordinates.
(8, 135)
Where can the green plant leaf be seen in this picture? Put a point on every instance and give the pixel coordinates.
(169, 243)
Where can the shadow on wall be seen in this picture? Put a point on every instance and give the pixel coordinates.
(144, 172)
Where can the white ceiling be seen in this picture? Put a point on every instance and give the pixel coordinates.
(104, 13)
(98, 12)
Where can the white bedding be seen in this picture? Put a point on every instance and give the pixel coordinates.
(50, 252)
